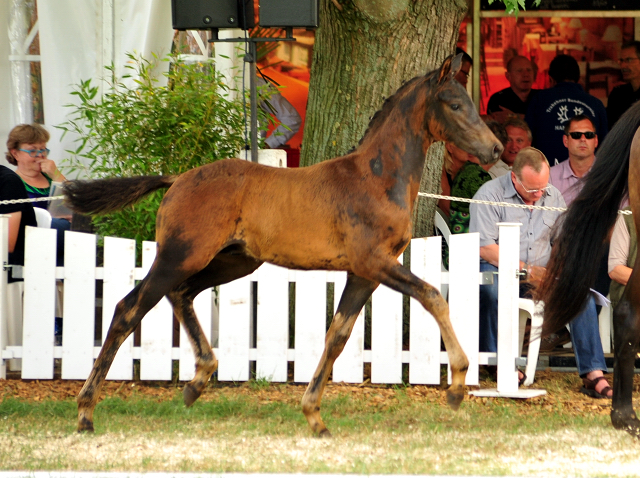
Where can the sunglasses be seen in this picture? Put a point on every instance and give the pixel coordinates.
(578, 134)
(34, 153)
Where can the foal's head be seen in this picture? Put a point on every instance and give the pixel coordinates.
(451, 115)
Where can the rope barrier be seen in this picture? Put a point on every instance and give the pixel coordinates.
(20, 201)
(505, 204)
(427, 195)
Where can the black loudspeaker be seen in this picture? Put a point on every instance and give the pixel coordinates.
(206, 14)
(289, 13)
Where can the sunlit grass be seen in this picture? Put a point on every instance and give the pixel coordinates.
(376, 430)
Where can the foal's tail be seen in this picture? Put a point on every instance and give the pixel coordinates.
(581, 233)
(101, 196)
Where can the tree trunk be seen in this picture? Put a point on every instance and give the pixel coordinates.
(364, 50)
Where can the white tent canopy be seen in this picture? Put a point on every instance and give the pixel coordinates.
(78, 38)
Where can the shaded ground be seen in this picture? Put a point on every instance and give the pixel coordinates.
(562, 389)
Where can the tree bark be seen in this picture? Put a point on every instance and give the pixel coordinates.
(364, 50)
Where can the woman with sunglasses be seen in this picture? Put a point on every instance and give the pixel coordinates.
(27, 150)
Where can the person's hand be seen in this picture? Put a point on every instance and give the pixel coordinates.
(535, 274)
(48, 167)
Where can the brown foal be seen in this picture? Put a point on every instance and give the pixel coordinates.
(219, 222)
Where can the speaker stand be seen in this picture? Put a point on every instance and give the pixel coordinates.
(253, 91)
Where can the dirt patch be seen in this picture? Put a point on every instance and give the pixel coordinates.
(562, 390)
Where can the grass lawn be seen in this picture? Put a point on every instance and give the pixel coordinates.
(258, 427)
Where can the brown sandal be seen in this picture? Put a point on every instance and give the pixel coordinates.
(589, 388)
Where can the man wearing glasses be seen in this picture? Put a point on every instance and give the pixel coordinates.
(581, 141)
(623, 96)
(551, 109)
(528, 184)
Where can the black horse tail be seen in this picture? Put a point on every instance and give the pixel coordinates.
(101, 196)
(581, 233)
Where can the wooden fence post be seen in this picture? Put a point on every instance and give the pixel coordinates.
(424, 333)
(119, 270)
(39, 303)
(79, 308)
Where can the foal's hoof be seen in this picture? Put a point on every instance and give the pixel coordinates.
(325, 433)
(85, 426)
(454, 397)
(190, 394)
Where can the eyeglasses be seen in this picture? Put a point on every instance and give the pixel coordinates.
(34, 153)
(578, 134)
(532, 191)
(627, 60)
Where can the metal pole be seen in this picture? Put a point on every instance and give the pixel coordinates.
(254, 101)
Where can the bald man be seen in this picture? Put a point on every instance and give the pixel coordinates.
(513, 101)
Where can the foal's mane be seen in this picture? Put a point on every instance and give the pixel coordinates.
(390, 103)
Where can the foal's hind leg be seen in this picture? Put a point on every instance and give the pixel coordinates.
(128, 314)
(626, 337)
(206, 362)
(222, 269)
(355, 294)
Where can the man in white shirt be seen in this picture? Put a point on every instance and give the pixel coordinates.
(519, 136)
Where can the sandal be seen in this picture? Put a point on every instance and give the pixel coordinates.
(523, 379)
(589, 388)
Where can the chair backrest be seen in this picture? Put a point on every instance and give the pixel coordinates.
(442, 228)
(603, 77)
(43, 217)
(442, 225)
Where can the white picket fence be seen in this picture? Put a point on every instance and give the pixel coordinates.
(231, 328)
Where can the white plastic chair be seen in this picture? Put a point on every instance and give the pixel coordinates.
(605, 323)
(43, 217)
(528, 309)
(534, 311)
(15, 294)
(442, 227)
(13, 325)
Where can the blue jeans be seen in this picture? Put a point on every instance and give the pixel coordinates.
(585, 332)
(60, 225)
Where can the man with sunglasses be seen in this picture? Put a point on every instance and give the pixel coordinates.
(623, 96)
(551, 109)
(581, 141)
(528, 184)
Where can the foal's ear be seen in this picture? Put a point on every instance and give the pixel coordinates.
(450, 67)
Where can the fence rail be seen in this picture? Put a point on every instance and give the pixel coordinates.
(248, 320)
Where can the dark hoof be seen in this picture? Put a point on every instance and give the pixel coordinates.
(85, 426)
(627, 422)
(454, 398)
(190, 394)
(325, 434)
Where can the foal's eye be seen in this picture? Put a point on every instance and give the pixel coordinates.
(455, 106)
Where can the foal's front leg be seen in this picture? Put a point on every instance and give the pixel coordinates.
(402, 280)
(356, 293)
